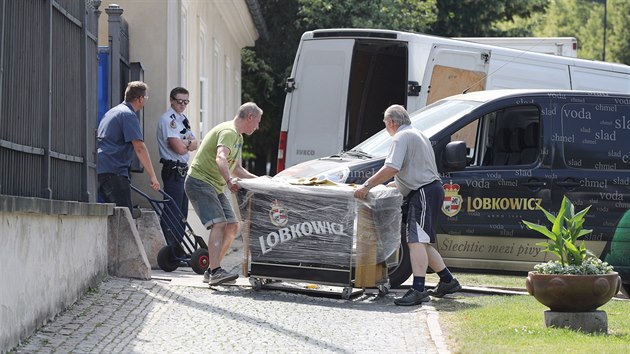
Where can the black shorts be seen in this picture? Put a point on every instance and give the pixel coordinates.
(424, 205)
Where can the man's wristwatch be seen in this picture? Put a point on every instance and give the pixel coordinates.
(366, 184)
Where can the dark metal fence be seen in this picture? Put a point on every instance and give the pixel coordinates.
(48, 98)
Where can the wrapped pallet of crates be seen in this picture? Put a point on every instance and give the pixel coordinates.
(319, 233)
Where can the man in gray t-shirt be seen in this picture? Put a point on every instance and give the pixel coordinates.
(411, 162)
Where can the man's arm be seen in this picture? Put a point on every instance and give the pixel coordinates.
(194, 144)
(241, 172)
(178, 145)
(143, 155)
(381, 176)
(222, 161)
(238, 172)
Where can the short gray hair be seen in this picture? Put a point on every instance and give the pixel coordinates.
(247, 108)
(398, 114)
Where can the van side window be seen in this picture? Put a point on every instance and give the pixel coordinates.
(595, 136)
(509, 136)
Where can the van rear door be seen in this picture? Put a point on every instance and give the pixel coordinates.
(316, 100)
(452, 69)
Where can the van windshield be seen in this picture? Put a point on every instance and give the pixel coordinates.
(430, 120)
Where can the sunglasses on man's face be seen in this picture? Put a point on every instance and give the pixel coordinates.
(181, 101)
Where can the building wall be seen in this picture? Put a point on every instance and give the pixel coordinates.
(185, 43)
(51, 252)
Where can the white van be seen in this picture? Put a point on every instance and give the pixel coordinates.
(343, 79)
(563, 46)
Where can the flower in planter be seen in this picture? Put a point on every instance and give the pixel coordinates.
(566, 229)
(578, 281)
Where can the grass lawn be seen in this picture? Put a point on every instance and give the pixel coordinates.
(515, 324)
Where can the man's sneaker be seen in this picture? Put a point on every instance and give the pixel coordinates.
(222, 276)
(206, 276)
(412, 297)
(445, 288)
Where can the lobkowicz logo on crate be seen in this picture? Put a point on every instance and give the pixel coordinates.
(301, 229)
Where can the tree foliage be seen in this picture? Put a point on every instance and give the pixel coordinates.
(479, 18)
(406, 15)
(584, 19)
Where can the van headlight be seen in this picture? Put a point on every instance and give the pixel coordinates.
(337, 175)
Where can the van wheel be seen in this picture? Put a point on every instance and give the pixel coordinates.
(399, 273)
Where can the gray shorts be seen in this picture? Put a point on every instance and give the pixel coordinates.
(211, 207)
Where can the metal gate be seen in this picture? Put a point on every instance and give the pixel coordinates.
(48, 98)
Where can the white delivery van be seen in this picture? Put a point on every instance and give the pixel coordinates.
(342, 80)
(563, 46)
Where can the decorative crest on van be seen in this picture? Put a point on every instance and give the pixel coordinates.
(278, 214)
(452, 203)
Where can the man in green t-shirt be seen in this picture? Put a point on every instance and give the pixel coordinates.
(217, 165)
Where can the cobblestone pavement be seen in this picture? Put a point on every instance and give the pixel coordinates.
(156, 316)
(176, 313)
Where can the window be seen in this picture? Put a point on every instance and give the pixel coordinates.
(183, 46)
(509, 136)
(204, 125)
(216, 81)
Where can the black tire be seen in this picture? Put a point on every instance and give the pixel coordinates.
(399, 273)
(199, 260)
(166, 259)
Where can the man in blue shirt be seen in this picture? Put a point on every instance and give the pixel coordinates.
(119, 136)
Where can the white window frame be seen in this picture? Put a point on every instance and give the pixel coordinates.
(183, 45)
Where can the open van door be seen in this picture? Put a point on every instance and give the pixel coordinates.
(451, 70)
(317, 94)
(338, 92)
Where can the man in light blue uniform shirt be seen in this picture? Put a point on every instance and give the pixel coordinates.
(175, 141)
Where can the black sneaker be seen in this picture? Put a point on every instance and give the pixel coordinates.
(412, 297)
(206, 276)
(445, 288)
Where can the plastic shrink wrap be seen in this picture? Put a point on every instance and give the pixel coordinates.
(320, 227)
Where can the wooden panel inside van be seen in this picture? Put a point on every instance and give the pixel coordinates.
(448, 81)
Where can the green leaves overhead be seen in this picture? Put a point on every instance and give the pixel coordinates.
(405, 15)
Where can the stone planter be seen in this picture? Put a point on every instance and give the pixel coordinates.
(573, 293)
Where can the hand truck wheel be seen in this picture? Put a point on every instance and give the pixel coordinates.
(166, 259)
(199, 260)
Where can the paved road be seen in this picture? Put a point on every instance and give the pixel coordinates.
(176, 313)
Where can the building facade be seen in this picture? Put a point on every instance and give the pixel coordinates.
(191, 43)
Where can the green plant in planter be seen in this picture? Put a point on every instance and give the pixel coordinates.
(566, 229)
